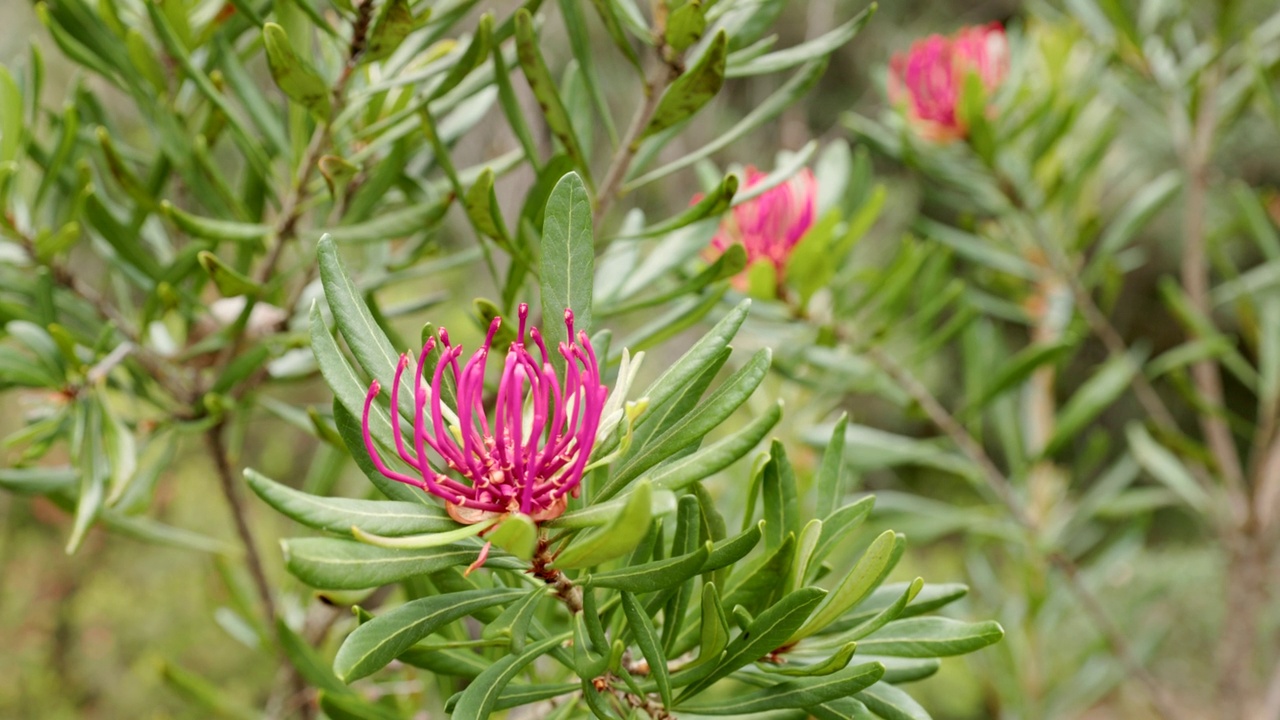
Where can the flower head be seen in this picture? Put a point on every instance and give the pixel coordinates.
(525, 456)
(929, 78)
(769, 226)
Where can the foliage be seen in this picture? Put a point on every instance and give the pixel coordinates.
(1039, 265)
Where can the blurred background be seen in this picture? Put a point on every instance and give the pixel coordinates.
(90, 635)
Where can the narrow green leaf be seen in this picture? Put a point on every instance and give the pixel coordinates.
(818, 47)
(298, 81)
(544, 89)
(334, 564)
(652, 576)
(517, 534)
(1096, 395)
(707, 416)
(800, 693)
(1165, 467)
(856, 586)
(513, 623)
(929, 637)
(375, 643)
(230, 283)
(215, 229)
(693, 89)
(715, 457)
(480, 698)
(783, 98)
(614, 540)
(394, 23)
(649, 643)
(835, 663)
(829, 488)
(338, 515)
(765, 634)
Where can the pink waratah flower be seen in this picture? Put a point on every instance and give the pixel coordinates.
(526, 457)
(769, 226)
(929, 78)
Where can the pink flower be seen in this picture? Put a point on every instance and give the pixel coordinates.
(526, 457)
(929, 78)
(769, 226)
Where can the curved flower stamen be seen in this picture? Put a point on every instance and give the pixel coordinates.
(524, 458)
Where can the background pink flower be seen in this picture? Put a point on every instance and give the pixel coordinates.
(770, 225)
(928, 79)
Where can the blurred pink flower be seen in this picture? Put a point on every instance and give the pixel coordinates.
(928, 79)
(533, 453)
(769, 226)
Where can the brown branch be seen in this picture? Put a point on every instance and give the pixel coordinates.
(1205, 373)
(611, 187)
(216, 446)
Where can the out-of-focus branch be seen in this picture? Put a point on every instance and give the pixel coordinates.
(1002, 489)
(659, 79)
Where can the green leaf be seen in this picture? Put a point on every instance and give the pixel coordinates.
(714, 627)
(800, 693)
(835, 663)
(212, 699)
(418, 542)
(517, 534)
(766, 633)
(307, 661)
(600, 514)
(715, 457)
(685, 26)
(874, 564)
(481, 204)
(730, 550)
(1165, 467)
(394, 23)
(705, 417)
(712, 204)
(1018, 368)
(783, 98)
(614, 540)
(693, 89)
(829, 487)
(1136, 214)
(891, 703)
(568, 258)
(816, 48)
(338, 515)
(334, 564)
(649, 643)
(480, 698)
(888, 614)
(651, 576)
(544, 89)
(91, 455)
(374, 644)
(1094, 396)
(10, 117)
(474, 57)
(349, 706)
(781, 505)
(230, 283)
(298, 81)
(928, 637)
(214, 229)
(513, 623)
(38, 480)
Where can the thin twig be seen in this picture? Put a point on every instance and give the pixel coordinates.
(216, 446)
(661, 77)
